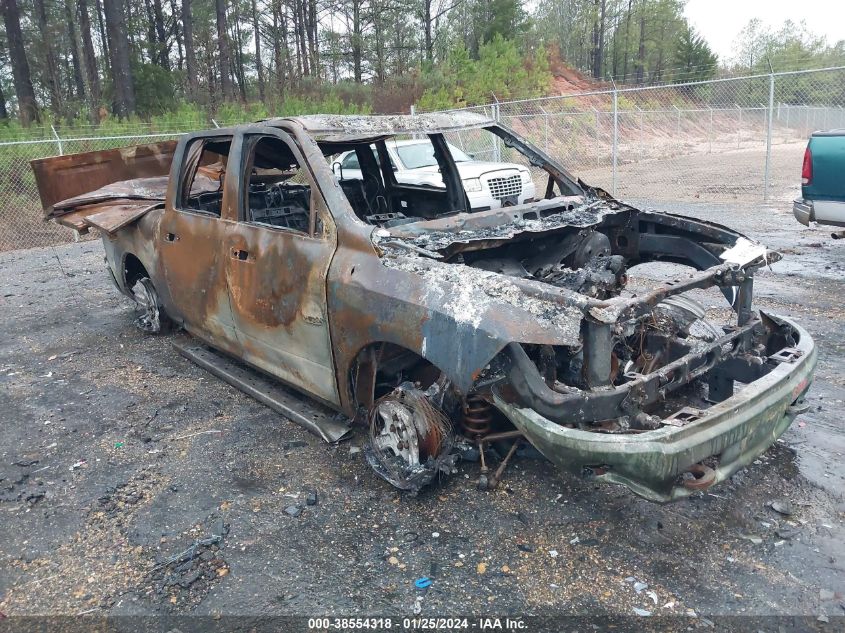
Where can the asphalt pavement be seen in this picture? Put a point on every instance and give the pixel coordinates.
(134, 483)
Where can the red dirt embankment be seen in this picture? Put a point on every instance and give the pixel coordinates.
(566, 80)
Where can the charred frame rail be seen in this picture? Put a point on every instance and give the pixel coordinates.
(627, 399)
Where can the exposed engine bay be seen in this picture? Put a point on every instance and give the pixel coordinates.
(597, 352)
(581, 261)
(638, 335)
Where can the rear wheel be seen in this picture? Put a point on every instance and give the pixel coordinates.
(152, 318)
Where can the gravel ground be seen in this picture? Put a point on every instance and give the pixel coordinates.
(117, 456)
(726, 176)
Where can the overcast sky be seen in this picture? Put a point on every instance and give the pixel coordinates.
(720, 21)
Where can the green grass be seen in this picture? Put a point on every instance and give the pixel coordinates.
(185, 118)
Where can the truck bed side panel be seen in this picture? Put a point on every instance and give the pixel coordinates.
(62, 177)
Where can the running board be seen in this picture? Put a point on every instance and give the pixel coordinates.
(310, 415)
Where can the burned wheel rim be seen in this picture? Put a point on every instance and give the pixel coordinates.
(146, 301)
(702, 477)
(410, 439)
(394, 432)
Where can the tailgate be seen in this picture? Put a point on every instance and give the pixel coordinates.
(108, 217)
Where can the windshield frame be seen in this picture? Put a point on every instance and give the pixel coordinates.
(568, 185)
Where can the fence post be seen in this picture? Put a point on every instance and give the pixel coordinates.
(58, 140)
(414, 111)
(598, 134)
(678, 133)
(546, 133)
(497, 149)
(739, 126)
(545, 129)
(615, 137)
(710, 133)
(769, 137)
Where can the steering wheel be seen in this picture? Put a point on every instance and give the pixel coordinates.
(273, 197)
(372, 190)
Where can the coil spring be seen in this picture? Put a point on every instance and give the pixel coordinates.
(478, 416)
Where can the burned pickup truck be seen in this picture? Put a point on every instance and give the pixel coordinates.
(571, 321)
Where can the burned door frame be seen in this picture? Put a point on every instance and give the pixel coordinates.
(191, 251)
(277, 280)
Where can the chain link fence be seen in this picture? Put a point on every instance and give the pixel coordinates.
(737, 140)
(21, 218)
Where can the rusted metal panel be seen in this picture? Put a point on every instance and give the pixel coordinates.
(139, 240)
(142, 189)
(193, 261)
(74, 220)
(526, 308)
(111, 217)
(458, 319)
(134, 189)
(63, 177)
(277, 286)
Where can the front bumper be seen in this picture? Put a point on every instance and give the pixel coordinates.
(736, 431)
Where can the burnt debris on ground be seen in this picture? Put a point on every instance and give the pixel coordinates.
(77, 380)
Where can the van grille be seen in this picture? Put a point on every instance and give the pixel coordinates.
(504, 187)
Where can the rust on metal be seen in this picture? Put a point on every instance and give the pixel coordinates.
(701, 477)
(112, 216)
(63, 177)
(477, 416)
(517, 319)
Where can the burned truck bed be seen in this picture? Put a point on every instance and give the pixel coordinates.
(443, 328)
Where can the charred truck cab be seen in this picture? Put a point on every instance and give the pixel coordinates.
(573, 321)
